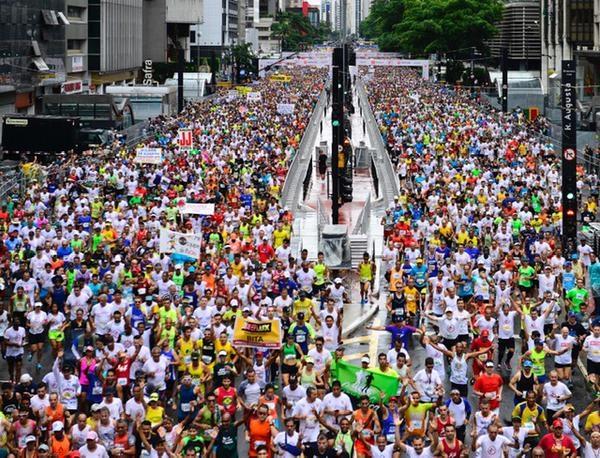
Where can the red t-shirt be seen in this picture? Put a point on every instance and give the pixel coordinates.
(553, 447)
(489, 384)
(227, 399)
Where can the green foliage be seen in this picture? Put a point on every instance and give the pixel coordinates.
(428, 26)
(454, 71)
(243, 55)
(296, 32)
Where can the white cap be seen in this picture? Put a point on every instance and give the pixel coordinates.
(30, 438)
(37, 304)
(337, 280)
(26, 378)
(178, 266)
(117, 258)
(365, 359)
(57, 426)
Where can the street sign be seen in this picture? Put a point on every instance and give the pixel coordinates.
(569, 154)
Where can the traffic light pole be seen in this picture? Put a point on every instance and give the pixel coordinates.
(504, 95)
(337, 116)
(569, 159)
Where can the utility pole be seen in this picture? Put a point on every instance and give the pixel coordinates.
(504, 95)
(569, 159)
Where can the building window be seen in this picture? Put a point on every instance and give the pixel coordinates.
(192, 36)
(76, 13)
(75, 46)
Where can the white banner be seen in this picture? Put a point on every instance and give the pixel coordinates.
(286, 108)
(394, 62)
(180, 243)
(254, 96)
(197, 209)
(232, 95)
(148, 155)
(185, 139)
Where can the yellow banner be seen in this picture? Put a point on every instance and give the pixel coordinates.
(281, 78)
(257, 334)
(226, 84)
(243, 89)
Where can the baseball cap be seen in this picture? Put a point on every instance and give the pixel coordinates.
(451, 311)
(43, 448)
(365, 359)
(538, 342)
(527, 363)
(222, 353)
(95, 407)
(489, 364)
(309, 360)
(37, 304)
(30, 438)
(154, 397)
(91, 436)
(570, 408)
(557, 423)
(337, 280)
(26, 378)
(57, 426)
(393, 399)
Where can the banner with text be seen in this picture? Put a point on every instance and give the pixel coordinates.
(286, 108)
(185, 139)
(254, 96)
(180, 243)
(197, 209)
(148, 155)
(257, 334)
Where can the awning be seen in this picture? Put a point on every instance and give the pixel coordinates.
(40, 64)
(49, 17)
(62, 18)
(35, 47)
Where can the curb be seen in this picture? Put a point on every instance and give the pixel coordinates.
(359, 322)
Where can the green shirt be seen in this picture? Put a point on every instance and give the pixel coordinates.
(525, 276)
(578, 297)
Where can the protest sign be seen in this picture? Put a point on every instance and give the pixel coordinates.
(357, 381)
(264, 334)
(280, 78)
(185, 139)
(148, 155)
(180, 243)
(286, 108)
(254, 96)
(197, 209)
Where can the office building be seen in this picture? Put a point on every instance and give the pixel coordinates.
(115, 42)
(519, 32)
(32, 53)
(76, 61)
(167, 25)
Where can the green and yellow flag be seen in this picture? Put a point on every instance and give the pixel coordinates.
(357, 381)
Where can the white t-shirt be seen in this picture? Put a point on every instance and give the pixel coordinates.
(492, 448)
(320, 359)
(134, 409)
(115, 408)
(330, 402)
(411, 453)
(280, 441)
(102, 315)
(100, 452)
(506, 325)
(590, 452)
(508, 432)
(37, 321)
(386, 453)
(292, 397)
(157, 370)
(310, 426)
(591, 345)
(16, 337)
(426, 383)
(553, 393)
(560, 344)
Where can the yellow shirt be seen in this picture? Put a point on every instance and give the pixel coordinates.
(592, 421)
(155, 415)
(279, 236)
(411, 294)
(227, 348)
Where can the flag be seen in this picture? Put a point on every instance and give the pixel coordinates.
(357, 381)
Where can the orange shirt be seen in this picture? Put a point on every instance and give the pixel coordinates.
(57, 414)
(260, 434)
(60, 449)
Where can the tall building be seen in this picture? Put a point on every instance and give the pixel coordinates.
(167, 28)
(32, 52)
(218, 29)
(115, 42)
(519, 31)
(76, 60)
(570, 30)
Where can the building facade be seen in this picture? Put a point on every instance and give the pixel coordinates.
(115, 42)
(32, 52)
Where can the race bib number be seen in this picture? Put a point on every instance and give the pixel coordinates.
(185, 407)
(121, 381)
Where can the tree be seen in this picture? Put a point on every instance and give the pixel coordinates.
(428, 26)
(295, 31)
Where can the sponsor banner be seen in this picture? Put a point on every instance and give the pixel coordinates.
(148, 155)
(185, 139)
(197, 209)
(286, 108)
(243, 89)
(357, 381)
(180, 243)
(280, 78)
(254, 96)
(253, 333)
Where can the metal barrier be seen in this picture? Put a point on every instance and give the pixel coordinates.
(292, 188)
(389, 187)
(364, 219)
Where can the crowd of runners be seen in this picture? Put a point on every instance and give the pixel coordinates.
(141, 341)
(475, 269)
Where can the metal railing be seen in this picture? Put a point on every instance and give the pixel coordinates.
(388, 180)
(364, 219)
(292, 188)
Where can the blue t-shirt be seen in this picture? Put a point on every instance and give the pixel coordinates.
(404, 333)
